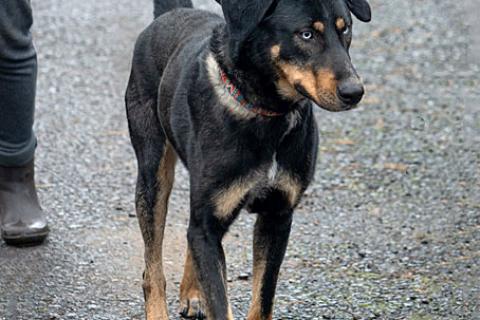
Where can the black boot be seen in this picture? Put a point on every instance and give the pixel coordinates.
(22, 221)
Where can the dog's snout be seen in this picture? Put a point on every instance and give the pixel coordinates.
(350, 91)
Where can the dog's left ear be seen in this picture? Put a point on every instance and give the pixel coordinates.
(242, 17)
(360, 9)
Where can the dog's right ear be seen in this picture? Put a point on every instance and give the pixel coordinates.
(242, 17)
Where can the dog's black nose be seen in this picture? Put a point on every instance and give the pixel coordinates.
(350, 92)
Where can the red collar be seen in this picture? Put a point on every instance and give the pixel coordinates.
(237, 95)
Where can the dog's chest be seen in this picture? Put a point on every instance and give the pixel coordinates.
(273, 176)
(273, 170)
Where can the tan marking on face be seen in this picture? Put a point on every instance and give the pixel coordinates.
(340, 24)
(290, 186)
(287, 90)
(296, 75)
(326, 81)
(317, 85)
(321, 85)
(275, 52)
(319, 26)
(227, 200)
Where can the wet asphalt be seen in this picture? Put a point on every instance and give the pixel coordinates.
(389, 230)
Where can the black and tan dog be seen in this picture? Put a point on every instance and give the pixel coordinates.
(233, 100)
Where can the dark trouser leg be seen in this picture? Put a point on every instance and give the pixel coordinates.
(18, 74)
(22, 221)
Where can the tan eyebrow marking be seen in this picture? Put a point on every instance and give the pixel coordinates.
(340, 23)
(319, 26)
(275, 51)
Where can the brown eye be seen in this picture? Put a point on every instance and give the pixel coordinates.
(306, 35)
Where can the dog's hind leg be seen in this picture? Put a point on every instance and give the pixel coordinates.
(206, 229)
(156, 165)
(272, 230)
(191, 299)
(152, 216)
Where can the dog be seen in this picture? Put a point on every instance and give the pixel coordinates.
(233, 99)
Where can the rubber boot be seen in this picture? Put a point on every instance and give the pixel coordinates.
(22, 221)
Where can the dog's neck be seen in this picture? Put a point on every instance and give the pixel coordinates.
(237, 95)
(258, 89)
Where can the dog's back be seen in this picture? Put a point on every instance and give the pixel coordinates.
(175, 24)
(163, 6)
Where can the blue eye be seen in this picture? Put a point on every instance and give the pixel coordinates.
(306, 35)
(346, 30)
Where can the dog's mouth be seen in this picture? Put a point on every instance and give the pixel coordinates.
(326, 101)
(320, 86)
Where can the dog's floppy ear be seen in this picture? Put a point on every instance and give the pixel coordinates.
(242, 17)
(360, 9)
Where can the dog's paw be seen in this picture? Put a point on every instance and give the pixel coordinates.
(192, 308)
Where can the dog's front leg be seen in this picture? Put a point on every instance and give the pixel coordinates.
(270, 241)
(205, 235)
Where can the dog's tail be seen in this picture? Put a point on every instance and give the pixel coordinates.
(162, 6)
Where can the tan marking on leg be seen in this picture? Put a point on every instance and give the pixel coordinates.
(259, 270)
(319, 26)
(275, 52)
(255, 312)
(340, 24)
(154, 282)
(189, 280)
(154, 288)
(290, 186)
(227, 200)
(190, 290)
(230, 313)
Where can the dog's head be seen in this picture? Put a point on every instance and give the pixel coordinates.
(302, 44)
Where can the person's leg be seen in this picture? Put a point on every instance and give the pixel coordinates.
(21, 218)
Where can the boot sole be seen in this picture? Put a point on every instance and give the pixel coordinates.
(26, 240)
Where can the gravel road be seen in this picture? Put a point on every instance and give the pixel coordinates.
(389, 230)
